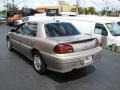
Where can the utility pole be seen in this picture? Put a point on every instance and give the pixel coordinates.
(106, 7)
(77, 7)
(61, 2)
(13, 3)
(5, 9)
(84, 7)
(7, 6)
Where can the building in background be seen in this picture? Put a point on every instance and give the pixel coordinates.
(65, 8)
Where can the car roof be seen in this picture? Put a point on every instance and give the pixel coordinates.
(111, 18)
(96, 19)
(89, 19)
(47, 21)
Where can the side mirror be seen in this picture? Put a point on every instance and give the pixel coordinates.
(13, 30)
(104, 32)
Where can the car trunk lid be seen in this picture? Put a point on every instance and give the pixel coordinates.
(78, 42)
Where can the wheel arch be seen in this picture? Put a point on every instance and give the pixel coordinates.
(7, 37)
(34, 50)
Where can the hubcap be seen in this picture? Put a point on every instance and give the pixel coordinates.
(37, 62)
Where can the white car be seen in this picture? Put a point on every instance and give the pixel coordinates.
(96, 27)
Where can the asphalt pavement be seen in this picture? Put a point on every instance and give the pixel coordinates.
(17, 73)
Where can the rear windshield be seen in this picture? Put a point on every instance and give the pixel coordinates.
(60, 29)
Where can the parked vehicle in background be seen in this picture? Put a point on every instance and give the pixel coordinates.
(115, 19)
(18, 22)
(103, 29)
(67, 13)
(12, 20)
(54, 45)
(2, 18)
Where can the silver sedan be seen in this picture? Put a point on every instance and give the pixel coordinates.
(53, 45)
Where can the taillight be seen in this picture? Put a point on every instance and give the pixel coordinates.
(97, 43)
(63, 48)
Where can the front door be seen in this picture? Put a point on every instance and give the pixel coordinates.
(101, 33)
(23, 38)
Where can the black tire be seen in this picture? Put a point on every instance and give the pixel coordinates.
(9, 45)
(38, 63)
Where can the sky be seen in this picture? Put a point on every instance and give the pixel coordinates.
(98, 4)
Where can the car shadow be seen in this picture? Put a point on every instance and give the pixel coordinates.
(73, 75)
(63, 77)
(22, 57)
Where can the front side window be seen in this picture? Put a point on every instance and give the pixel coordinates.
(114, 28)
(28, 29)
(60, 29)
(20, 29)
(100, 29)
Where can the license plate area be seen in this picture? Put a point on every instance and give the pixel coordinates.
(87, 60)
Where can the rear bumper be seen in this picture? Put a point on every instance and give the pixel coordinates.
(67, 62)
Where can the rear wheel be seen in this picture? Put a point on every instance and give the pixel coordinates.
(38, 63)
(9, 45)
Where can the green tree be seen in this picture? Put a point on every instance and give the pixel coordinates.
(27, 11)
(91, 10)
(80, 10)
(73, 10)
(10, 7)
(103, 12)
(86, 10)
(109, 13)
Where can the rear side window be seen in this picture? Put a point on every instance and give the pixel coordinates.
(60, 29)
(30, 29)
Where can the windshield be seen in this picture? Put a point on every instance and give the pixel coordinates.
(114, 28)
(60, 29)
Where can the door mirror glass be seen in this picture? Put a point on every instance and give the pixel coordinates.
(13, 30)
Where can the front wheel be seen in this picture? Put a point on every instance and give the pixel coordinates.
(38, 63)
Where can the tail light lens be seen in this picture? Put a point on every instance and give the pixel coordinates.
(97, 43)
(63, 48)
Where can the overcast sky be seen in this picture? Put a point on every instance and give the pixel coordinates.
(98, 4)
